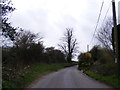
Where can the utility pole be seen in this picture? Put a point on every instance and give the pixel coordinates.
(118, 31)
(118, 36)
(116, 39)
(87, 48)
(115, 30)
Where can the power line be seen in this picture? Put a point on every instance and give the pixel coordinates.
(97, 21)
(107, 12)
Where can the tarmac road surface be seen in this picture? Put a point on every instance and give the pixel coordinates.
(68, 78)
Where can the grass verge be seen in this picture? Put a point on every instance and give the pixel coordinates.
(33, 73)
(112, 80)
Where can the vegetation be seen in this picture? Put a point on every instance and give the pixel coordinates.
(25, 53)
(8, 31)
(105, 34)
(30, 73)
(25, 57)
(99, 64)
(113, 80)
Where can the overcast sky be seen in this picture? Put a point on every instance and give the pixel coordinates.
(51, 17)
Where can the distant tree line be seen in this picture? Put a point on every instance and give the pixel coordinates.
(26, 51)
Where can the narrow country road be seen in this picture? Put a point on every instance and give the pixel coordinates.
(68, 78)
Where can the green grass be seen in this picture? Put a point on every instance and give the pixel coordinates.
(111, 80)
(33, 73)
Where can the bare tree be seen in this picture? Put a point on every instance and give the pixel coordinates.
(69, 44)
(24, 38)
(105, 34)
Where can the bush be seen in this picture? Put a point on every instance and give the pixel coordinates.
(105, 69)
(101, 62)
(105, 64)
